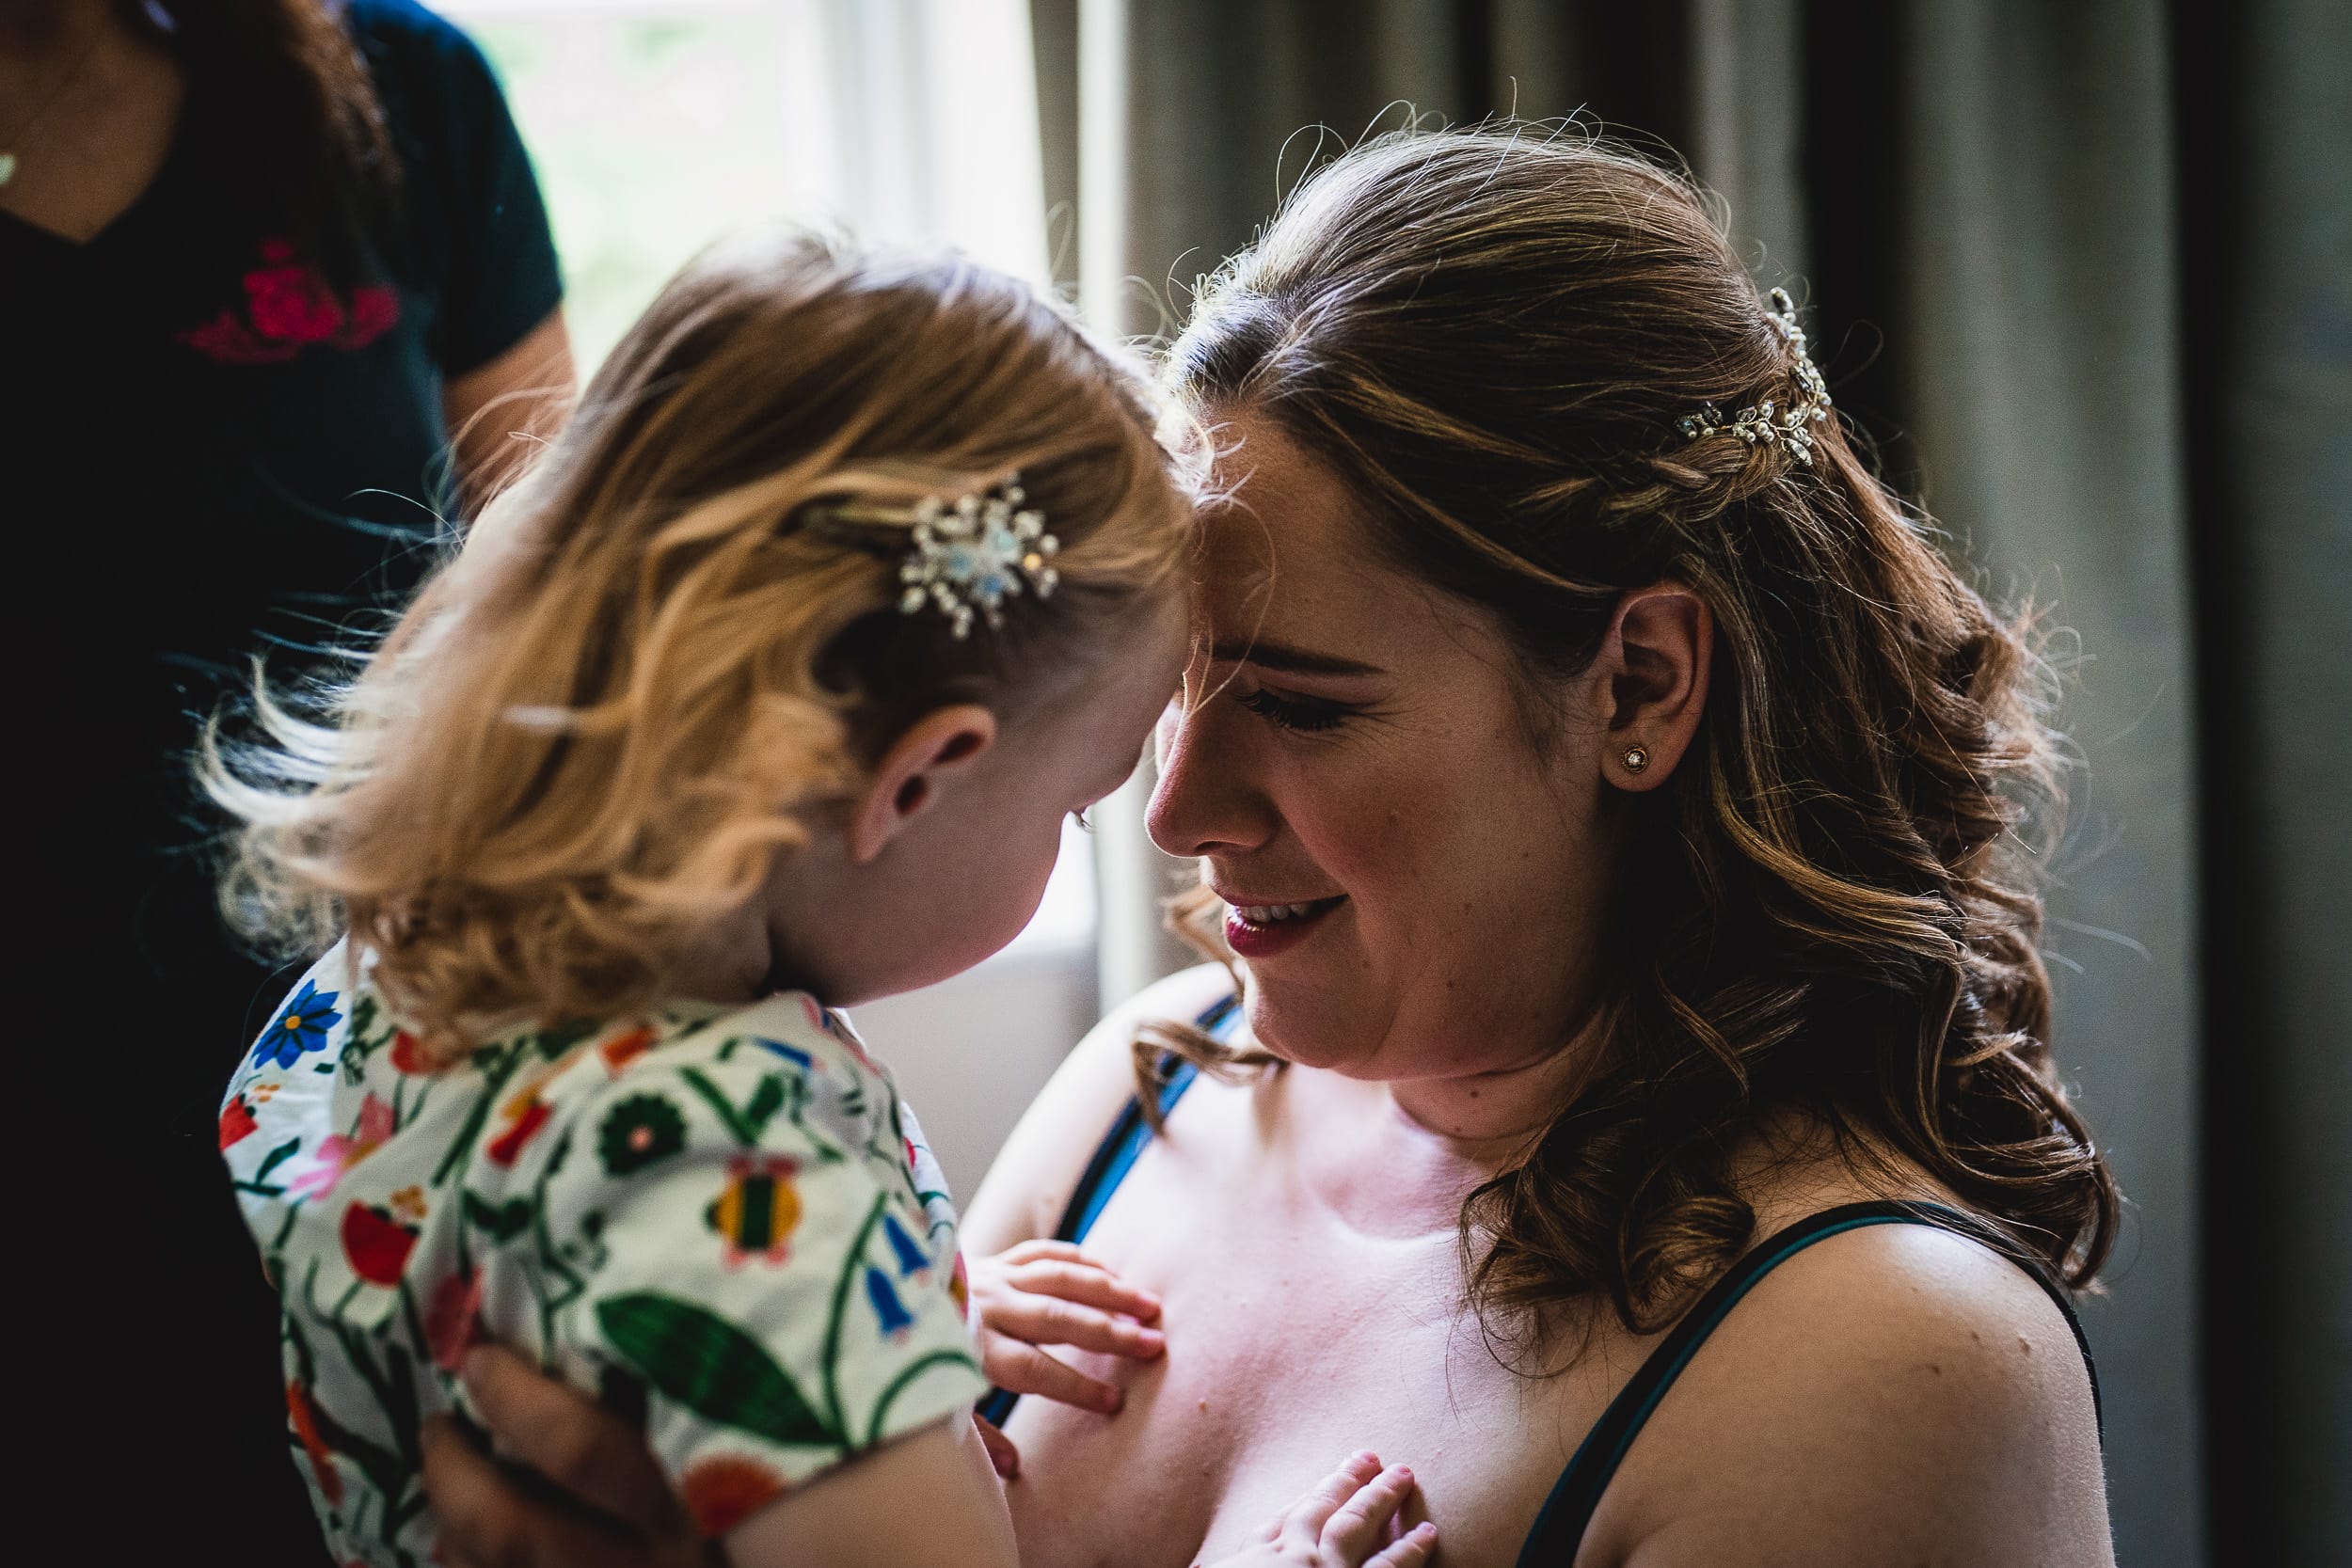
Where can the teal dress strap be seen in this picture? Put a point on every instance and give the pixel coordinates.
(1559, 1529)
(1115, 1156)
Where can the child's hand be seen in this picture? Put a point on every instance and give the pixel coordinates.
(1341, 1524)
(1037, 1293)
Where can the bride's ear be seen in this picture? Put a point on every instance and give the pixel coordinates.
(925, 758)
(1656, 658)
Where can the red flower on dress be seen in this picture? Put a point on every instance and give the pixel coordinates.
(452, 1321)
(305, 1429)
(408, 1054)
(722, 1491)
(376, 1244)
(624, 1049)
(236, 1122)
(526, 1118)
(289, 307)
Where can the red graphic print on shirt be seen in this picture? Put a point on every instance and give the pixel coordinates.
(289, 307)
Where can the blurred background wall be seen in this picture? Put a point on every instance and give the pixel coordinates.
(2083, 272)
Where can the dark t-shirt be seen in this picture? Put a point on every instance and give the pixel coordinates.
(206, 453)
(243, 459)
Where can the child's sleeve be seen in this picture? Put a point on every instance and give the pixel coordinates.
(724, 1244)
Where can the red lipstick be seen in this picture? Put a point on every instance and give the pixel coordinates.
(1255, 940)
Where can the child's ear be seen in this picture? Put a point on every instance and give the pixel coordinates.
(929, 755)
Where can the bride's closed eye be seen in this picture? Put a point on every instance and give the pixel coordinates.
(1294, 713)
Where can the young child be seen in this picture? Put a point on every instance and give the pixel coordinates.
(772, 684)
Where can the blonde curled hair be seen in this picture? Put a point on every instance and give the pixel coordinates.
(644, 676)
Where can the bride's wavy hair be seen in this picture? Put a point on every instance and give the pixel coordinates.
(1835, 904)
(654, 666)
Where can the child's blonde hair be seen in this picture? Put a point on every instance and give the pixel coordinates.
(594, 728)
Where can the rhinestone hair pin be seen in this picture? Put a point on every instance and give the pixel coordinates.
(969, 555)
(1767, 423)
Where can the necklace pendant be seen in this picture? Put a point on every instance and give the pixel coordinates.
(8, 167)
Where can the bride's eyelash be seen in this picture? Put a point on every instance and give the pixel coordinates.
(1291, 713)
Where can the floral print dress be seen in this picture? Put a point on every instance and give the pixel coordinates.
(722, 1221)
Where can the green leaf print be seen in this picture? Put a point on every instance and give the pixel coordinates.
(495, 1063)
(771, 1095)
(850, 1264)
(362, 1040)
(554, 1042)
(261, 1184)
(721, 1106)
(710, 1367)
(767, 1100)
(501, 1222)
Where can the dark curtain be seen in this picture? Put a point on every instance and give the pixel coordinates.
(2084, 273)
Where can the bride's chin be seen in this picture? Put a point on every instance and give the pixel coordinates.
(1280, 1027)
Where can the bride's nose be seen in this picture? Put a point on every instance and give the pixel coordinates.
(1207, 801)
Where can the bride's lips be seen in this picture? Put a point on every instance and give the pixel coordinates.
(1260, 930)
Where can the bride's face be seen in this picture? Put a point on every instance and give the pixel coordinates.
(1352, 742)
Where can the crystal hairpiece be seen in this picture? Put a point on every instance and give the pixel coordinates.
(969, 555)
(1766, 423)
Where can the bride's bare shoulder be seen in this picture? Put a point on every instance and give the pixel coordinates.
(1033, 1176)
(1891, 1393)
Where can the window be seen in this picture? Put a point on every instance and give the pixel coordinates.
(656, 125)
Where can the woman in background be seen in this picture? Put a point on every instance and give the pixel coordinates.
(277, 284)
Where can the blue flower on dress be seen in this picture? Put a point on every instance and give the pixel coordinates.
(911, 1258)
(889, 1311)
(301, 1027)
(792, 1053)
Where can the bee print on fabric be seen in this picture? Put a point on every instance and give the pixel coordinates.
(756, 1214)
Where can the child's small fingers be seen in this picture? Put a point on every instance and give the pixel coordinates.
(1310, 1512)
(1025, 1370)
(1043, 1320)
(1410, 1550)
(1360, 1520)
(1041, 1247)
(1086, 1283)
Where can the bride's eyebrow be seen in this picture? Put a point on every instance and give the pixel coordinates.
(1290, 660)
